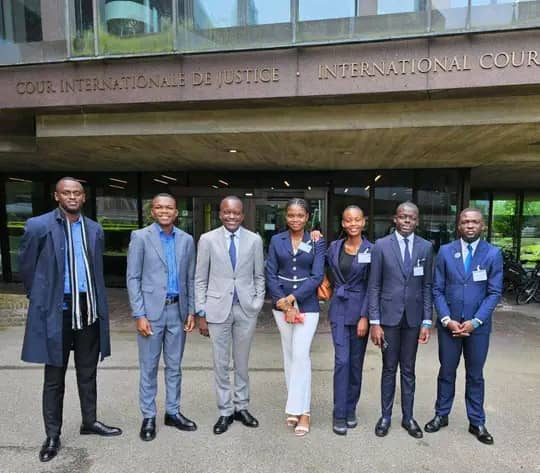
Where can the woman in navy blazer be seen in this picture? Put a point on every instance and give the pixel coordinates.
(349, 262)
(294, 270)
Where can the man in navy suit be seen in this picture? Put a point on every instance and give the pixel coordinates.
(61, 261)
(400, 311)
(467, 286)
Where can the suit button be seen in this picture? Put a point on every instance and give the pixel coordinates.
(294, 259)
(294, 268)
(231, 293)
(294, 286)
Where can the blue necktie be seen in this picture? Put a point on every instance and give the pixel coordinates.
(406, 257)
(468, 260)
(232, 252)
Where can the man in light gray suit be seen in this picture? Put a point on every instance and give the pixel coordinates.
(229, 293)
(160, 282)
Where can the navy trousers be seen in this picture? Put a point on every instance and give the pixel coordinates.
(475, 350)
(349, 352)
(402, 347)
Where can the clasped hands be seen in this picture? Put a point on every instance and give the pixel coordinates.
(463, 329)
(286, 305)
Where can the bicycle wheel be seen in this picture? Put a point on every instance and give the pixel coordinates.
(526, 293)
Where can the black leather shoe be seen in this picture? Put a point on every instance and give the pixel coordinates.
(148, 429)
(222, 424)
(180, 422)
(435, 424)
(352, 421)
(49, 449)
(246, 418)
(481, 433)
(382, 427)
(99, 428)
(339, 426)
(413, 429)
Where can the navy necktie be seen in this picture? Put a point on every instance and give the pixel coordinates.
(232, 252)
(406, 257)
(468, 259)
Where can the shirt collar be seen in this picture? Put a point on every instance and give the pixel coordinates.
(464, 245)
(400, 237)
(228, 234)
(61, 215)
(161, 232)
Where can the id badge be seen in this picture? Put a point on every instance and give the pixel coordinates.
(364, 257)
(479, 275)
(305, 247)
(418, 271)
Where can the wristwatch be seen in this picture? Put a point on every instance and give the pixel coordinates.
(445, 321)
(201, 313)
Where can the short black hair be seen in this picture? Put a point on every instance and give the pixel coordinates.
(67, 178)
(297, 201)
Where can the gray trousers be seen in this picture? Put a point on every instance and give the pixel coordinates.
(234, 334)
(170, 337)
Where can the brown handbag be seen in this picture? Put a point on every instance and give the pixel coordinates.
(324, 291)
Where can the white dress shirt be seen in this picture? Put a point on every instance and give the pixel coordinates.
(401, 244)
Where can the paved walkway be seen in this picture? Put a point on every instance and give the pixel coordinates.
(512, 403)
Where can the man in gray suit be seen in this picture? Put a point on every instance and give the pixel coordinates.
(160, 282)
(229, 293)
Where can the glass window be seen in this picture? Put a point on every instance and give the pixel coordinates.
(82, 28)
(323, 9)
(135, 26)
(24, 199)
(208, 14)
(481, 201)
(386, 7)
(30, 33)
(171, 183)
(262, 12)
(233, 24)
(503, 221)
(116, 211)
(391, 188)
(530, 229)
(436, 197)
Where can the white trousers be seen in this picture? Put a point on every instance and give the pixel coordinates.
(296, 344)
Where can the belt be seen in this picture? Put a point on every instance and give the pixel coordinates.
(292, 280)
(171, 300)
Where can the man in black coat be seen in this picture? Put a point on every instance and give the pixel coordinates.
(61, 250)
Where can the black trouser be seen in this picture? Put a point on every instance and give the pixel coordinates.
(402, 347)
(85, 344)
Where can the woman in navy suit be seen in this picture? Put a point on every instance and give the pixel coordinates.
(349, 261)
(294, 270)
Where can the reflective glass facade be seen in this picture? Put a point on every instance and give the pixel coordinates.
(120, 202)
(33, 31)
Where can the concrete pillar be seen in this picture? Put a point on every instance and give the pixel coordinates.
(53, 22)
(368, 7)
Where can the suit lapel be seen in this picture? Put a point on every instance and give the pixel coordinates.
(155, 240)
(415, 256)
(242, 248)
(395, 247)
(335, 260)
(224, 248)
(178, 251)
(59, 239)
(287, 242)
(481, 250)
(456, 250)
(91, 241)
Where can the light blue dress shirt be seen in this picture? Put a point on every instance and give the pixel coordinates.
(76, 234)
(169, 250)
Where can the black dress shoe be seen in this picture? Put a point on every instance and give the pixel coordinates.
(99, 428)
(481, 433)
(339, 426)
(222, 424)
(435, 424)
(148, 429)
(352, 421)
(382, 427)
(180, 422)
(49, 449)
(413, 429)
(246, 418)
